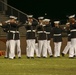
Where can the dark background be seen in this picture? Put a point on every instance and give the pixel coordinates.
(55, 9)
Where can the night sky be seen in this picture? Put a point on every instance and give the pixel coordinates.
(55, 9)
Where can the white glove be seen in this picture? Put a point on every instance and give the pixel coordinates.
(0, 24)
(64, 27)
(7, 21)
(29, 23)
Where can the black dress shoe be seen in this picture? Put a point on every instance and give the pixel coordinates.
(62, 54)
(5, 57)
(44, 57)
(28, 57)
(38, 57)
(74, 56)
(51, 56)
(32, 57)
(14, 57)
(71, 57)
(19, 57)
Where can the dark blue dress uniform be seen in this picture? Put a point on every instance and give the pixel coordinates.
(17, 40)
(42, 40)
(49, 36)
(73, 30)
(49, 31)
(57, 38)
(73, 40)
(67, 47)
(30, 30)
(12, 37)
(69, 35)
(30, 38)
(41, 30)
(9, 28)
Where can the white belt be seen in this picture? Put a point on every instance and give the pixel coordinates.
(33, 30)
(57, 34)
(69, 34)
(41, 32)
(73, 30)
(44, 31)
(30, 30)
(47, 32)
(14, 31)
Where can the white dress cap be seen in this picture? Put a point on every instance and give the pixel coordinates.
(72, 16)
(56, 21)
(13, 17)
(67, 23)
(46, 20)
(41, 18)
(30, 16)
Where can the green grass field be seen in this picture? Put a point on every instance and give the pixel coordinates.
(38, 66)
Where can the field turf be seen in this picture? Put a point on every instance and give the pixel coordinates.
(38, 66)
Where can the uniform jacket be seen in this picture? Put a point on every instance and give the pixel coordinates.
(57, 37)
(41, 31)
(30, 30)
(73, 30)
